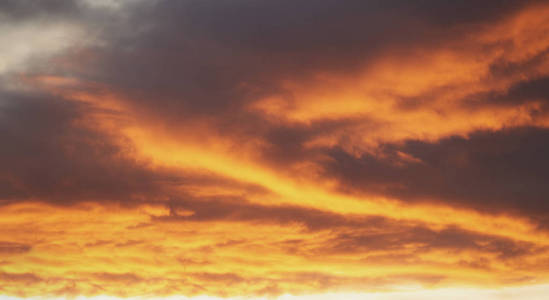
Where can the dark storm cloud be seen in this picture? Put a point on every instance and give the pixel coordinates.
(183, 59)
(537, 89)
(178, 61)
(189, 58)
(286, 143)
(47, 155)
(501, 171)
(50, 153)
(533, 90)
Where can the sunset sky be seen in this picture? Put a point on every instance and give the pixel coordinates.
(281, 149)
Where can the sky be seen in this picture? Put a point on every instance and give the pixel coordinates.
(253, 149)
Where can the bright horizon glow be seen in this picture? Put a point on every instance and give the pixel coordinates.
(533, 292)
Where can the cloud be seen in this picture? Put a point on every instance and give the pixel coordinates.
(239, 210)
(54, 151)
(502, 171)
(25, 278)
(426, 240)
(14, 248)
(47, 155)
(262, 148)
(210, 59)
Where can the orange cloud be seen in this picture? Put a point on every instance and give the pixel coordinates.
(171, 160)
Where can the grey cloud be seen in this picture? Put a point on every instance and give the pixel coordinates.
(503, 171)
(49, 153)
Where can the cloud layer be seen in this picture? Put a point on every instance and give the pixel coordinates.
(254, 148)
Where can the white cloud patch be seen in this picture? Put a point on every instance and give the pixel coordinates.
(23, 42)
